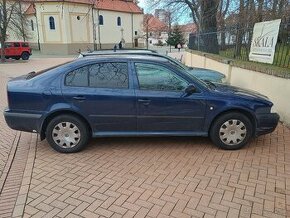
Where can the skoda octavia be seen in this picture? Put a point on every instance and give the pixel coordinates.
(132, 96)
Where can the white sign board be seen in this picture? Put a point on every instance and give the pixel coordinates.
(264, 41)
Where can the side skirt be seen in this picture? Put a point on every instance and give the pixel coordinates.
(141, 134)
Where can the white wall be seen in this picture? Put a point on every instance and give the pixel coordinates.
(276, 88)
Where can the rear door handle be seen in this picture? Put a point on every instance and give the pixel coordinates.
(144, 101)
(79, 98)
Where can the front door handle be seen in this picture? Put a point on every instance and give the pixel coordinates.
(79, 98)
(144, 101)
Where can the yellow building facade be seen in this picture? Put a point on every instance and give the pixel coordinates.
(67, 27)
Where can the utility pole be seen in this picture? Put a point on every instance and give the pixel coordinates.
(147, 30)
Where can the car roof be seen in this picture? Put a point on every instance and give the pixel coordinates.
(124, 57)
(119, 51)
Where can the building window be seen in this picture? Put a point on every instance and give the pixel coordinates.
(51, 23)
(78, 17)
(32, 25)
(119, 21)
(101, 20)
(136, 33)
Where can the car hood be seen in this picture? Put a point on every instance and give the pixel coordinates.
(206, 74)
(227, 89)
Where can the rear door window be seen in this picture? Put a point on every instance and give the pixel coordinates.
(16, 44)
(109, 75)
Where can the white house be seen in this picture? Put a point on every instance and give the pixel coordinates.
(65, 27)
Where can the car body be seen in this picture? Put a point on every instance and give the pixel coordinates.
(132, 95)
(17, 50)
(200, 73)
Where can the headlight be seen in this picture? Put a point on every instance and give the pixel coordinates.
(273, 109)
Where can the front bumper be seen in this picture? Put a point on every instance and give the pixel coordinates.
(22, 121)
(266, 123)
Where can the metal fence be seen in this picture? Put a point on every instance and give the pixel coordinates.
(235, 43)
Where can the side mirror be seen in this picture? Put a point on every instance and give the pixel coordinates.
(190, 89)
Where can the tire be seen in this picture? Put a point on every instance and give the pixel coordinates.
(67, 134)
(17, 58)
(25, 56)
(231, 131)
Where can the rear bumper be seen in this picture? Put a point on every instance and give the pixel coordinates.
(266, 123)
(22, 121)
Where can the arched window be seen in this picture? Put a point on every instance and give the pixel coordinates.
(118, 21)
(32, 25)
(101, 20)
(51, 23)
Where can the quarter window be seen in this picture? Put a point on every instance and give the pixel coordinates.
(158, 78)
(78, 77)
(102, 75)
(51, 23)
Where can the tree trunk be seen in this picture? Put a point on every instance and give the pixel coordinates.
(223, 34)
(2, 49)
(240, 30)
(3, 28)
(208, 24)
(260, 10)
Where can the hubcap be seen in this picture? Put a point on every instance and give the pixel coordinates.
(66, 135)
(233, 132)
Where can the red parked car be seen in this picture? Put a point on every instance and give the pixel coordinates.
(17, 50)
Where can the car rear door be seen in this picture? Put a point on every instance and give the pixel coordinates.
(162, 105)
(102, 92)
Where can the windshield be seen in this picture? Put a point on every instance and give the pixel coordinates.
(184, 69)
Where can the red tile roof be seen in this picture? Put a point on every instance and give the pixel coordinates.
(30, 10)
(188, 28)
(154, 24)
(110, 5)
(117, 5)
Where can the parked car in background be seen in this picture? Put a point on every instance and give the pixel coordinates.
(203, 74)
(132, 95)
(17, 50)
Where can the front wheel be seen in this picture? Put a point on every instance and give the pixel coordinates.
(25, 56)
(67, 134)
(231, 131)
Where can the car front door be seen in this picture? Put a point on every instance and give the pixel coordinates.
(162, 105)
(103, 93)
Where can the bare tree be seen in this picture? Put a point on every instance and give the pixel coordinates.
(223, 10)
(204, 14)
(12, 19)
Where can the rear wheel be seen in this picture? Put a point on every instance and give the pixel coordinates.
(67, 134)
(231, 131)
(25, 56)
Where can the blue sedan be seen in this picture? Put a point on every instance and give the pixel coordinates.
(132, 95)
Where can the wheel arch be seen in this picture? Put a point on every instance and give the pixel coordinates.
(248, 114)
(58, 113)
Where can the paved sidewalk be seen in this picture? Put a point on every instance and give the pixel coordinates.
(141, 177)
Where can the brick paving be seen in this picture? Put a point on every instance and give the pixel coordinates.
(164, 177)
(7, 136)
(155, 177)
